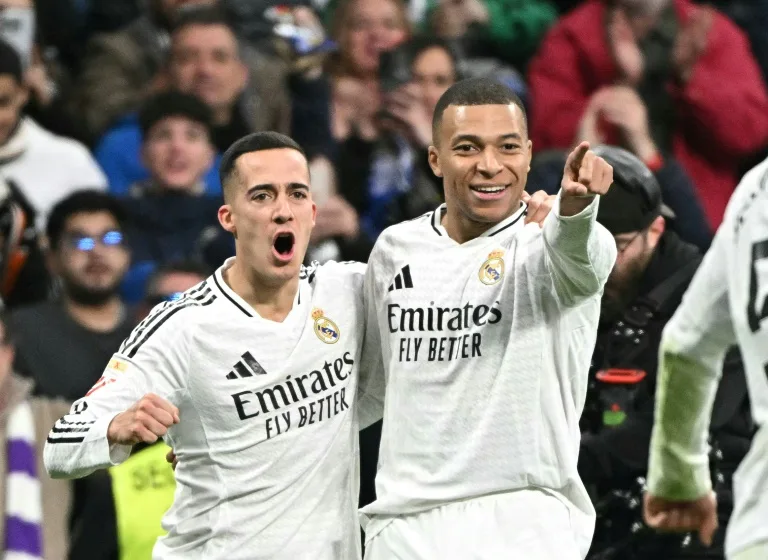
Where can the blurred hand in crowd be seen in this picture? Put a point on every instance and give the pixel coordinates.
(412, 117)
(691, 42)
(624, 48)
(354, 106)
(411, 106)
(38, 81)
(621, 107)
(335, 218)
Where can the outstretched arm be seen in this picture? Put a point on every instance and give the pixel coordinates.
(581, 252)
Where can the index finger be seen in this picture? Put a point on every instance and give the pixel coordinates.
(573, 163)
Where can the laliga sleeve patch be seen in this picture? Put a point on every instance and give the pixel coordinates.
(114, 368)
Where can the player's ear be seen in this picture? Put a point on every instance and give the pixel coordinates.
(530, 154)
(226, 219)
(314, 213)
(434, 161)
(656, 230)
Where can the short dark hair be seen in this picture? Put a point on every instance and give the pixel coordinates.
(201, 15)
(173, 104)
(10, 62)
(175, 267)
(254, 142)
(79, 202)
(475, 91)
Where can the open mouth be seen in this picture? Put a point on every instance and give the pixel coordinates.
(488, 191)
(283, 246)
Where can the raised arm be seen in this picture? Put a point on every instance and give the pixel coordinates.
(135, 400)
(581, 252)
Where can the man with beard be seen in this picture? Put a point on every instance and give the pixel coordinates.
(652, 271)
(63, 344)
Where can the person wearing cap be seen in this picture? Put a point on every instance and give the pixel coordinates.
(652, 271)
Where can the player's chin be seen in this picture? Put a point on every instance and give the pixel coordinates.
(492, 212)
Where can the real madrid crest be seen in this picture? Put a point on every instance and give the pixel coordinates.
(492, 270)
(325, 329)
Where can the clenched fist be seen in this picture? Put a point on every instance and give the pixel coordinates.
(696, 515)
(585, 175)
(146, 421)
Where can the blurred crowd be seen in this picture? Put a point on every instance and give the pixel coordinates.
(114, 115)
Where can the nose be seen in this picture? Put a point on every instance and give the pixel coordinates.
(489, 165)
(205, 67)
(283, 212)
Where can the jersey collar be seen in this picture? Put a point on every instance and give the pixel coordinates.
(236, 300)
(437, 218)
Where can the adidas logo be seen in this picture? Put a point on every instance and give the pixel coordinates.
(402, 279)
(247, 366)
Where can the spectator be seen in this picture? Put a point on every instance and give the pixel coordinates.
(631, 117)
(35, 516)
(169, 212)
(169, 281)
(652, 272)
(45, 167)
(62, 345)
(490, 27)
(122, 68)
(363, 29)
(390, 180)
(204, 60)
(692, 68)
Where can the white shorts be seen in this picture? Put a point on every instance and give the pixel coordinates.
(526, 524)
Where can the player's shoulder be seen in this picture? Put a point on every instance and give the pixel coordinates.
(171, 318)
(173, 322)
(344, 272)
(405, 232)
(413, 226)
(749, 197)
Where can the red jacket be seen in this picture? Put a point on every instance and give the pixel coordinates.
(722, 112)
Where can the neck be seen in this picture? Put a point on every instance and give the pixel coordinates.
(99, 318)
(5, 392)
(222, 115)
(13, 134)
(461, 228)
(271, 301)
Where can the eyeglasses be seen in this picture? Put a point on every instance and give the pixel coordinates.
(86, 243)
(625, 245)
(157, 299)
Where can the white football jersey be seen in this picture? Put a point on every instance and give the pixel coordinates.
(486, 353)
(726, 303)
(268, 432)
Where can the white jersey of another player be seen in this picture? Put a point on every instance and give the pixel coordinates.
(726, 303)
(486, 349)
(267, 439)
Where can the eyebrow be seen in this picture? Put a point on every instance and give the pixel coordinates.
(477, 140)
(272, 187)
